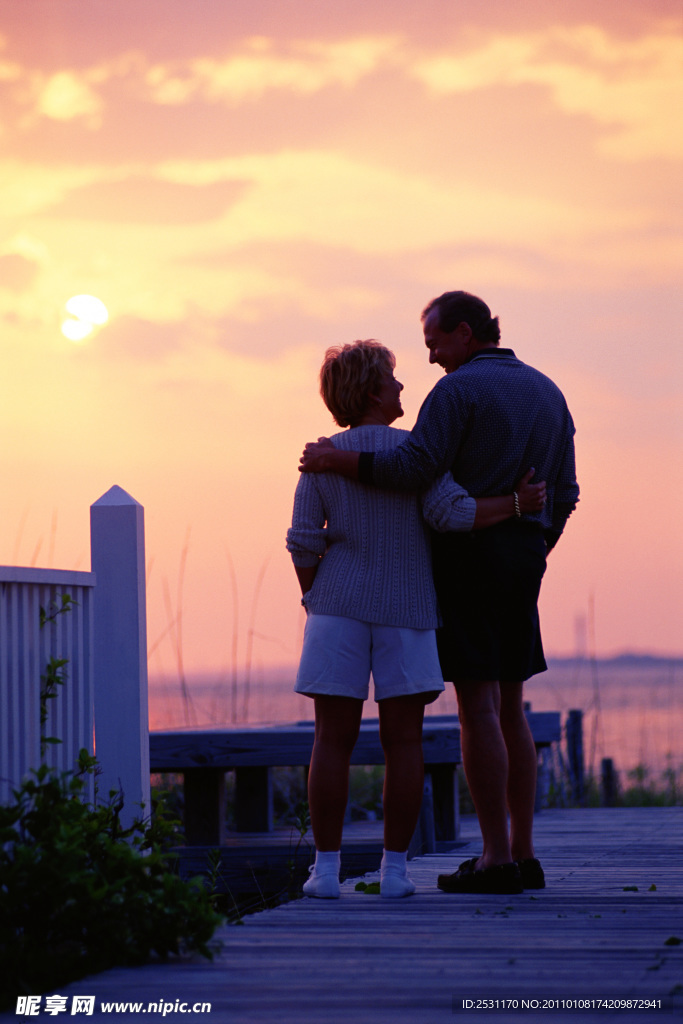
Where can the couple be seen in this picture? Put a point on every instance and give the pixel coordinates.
(373, 596)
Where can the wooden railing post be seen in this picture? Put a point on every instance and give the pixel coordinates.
(574, 734)
(117, 537)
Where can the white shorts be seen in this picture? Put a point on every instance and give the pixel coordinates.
(339, 654)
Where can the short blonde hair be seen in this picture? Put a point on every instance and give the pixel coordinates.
(350, 374)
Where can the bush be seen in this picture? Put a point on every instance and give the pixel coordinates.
(80, 894)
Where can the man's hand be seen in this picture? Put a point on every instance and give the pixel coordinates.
(532, 497)
(314, 458)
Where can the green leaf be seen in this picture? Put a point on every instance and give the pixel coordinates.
(80, 894)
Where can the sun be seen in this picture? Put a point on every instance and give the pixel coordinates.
(85, 315)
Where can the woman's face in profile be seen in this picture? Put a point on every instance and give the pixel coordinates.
(389, 397)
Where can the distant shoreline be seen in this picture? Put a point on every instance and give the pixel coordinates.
(632, 703)
(626, 660)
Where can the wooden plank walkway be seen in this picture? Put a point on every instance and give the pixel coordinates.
(599, 930)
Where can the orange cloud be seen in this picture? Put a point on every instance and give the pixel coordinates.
(633, 86)
(66, 96)
(17, 272)
(27, 188)
(305, 67)
(245, 202)
(338, 200)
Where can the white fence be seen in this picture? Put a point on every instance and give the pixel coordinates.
(102, 704)
(26, 647)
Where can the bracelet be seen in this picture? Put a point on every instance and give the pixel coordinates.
(518, 511)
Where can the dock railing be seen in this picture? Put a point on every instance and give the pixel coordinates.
(27, 597)
(91, 628)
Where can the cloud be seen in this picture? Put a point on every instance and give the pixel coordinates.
(9, 71)
(140, 339)
(139, 199)
(304, 67)
(16, 272)
(66, 96)
(630, 87)
(633, 86)
(160, 238)
(334, 199)
(28, 187)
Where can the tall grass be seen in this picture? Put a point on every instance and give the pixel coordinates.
(639, 786)
(232, 681)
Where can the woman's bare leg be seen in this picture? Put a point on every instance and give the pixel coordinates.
(337, 722)
(400, 729)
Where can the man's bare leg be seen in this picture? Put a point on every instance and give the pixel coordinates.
(521, 790)
(485, 760)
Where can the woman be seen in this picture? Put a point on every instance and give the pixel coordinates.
(363, 562)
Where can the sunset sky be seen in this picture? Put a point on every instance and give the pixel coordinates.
(244, 183)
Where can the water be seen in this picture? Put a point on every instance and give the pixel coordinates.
(633, 707)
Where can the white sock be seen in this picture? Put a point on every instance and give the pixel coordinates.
(327, 862)
(394, 860)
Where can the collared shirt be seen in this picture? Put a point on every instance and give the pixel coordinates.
(488, 423)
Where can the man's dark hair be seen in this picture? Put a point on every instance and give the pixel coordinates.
(455, 307)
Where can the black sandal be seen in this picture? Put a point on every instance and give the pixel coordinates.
(499, 879)
(531, 872)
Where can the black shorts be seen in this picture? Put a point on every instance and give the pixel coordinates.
(488, 583)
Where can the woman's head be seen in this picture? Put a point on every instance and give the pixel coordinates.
(351, 375)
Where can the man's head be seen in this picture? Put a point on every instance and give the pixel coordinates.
(456, 325)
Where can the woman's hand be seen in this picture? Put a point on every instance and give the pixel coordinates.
(532, 497)
(313, 458)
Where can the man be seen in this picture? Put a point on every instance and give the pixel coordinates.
(488, 420)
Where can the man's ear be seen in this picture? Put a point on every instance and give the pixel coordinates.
(465, 332)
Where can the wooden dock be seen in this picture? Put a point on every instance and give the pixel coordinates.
(608, 926)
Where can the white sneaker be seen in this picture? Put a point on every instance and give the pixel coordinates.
(325, 886)
(393, 884)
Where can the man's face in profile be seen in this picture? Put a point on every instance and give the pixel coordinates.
(448, 349)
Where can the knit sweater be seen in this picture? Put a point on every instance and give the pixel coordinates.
(377, 564)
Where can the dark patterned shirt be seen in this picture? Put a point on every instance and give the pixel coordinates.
(489, 422)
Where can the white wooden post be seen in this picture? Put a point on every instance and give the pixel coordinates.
(117, 537)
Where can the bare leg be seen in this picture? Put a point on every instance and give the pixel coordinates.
(521, 750)
(337, 722)
(485, 760)
(400, 729)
